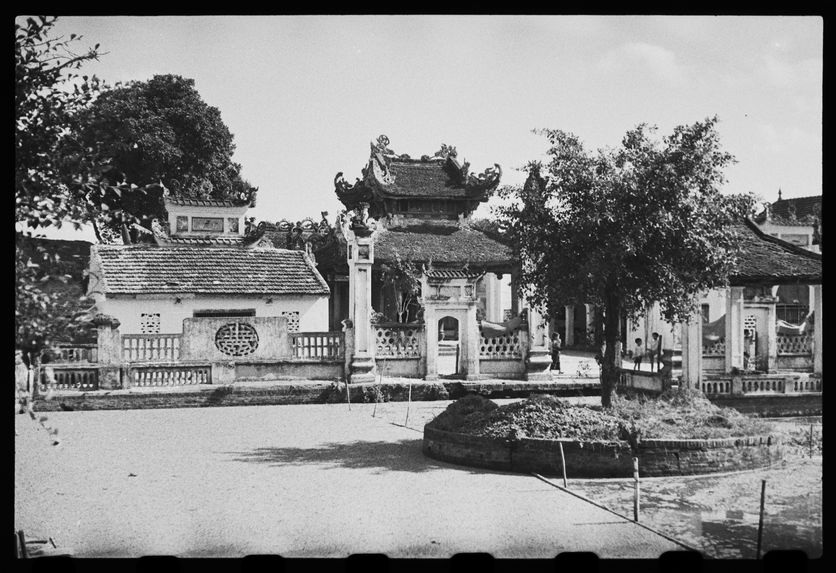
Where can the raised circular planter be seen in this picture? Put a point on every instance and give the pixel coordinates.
(603, 459)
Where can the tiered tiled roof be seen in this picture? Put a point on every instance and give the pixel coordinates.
(768, 260)
(443, 244)
(206, 270)
(388, 176)
(416, 178)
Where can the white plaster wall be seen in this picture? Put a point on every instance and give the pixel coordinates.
(202, 211)
(779, 231)
(313, 310)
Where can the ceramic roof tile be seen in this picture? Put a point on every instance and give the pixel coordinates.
(442, 244)
(207, 270)
(766, 259)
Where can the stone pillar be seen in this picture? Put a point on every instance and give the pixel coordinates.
(818, 327)
(109, 344)
(493, 298)
(431, 330)
(569, 339)
(515, 296)
(771, 338)
(470, 331)
(692, 352)
(360, 307)
(590, 320)
(734, 329)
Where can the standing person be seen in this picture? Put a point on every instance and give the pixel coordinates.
(638, 350)
(656, 351)
(555, 344)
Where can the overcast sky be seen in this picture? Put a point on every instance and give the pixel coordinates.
(304, 95)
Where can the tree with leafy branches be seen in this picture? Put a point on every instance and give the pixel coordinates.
(626, 227)
(403, 278)
(48, 91)
(161, 131)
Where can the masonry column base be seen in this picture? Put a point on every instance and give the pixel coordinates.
(362, 370)
(538, 365)
(110, 378)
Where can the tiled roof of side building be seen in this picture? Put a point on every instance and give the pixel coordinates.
(804, 206)
(444, 244)
(766, 259)
(206, 270)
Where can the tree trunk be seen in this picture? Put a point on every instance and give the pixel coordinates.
(610, 363)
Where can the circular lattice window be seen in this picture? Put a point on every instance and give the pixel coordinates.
(236, 339)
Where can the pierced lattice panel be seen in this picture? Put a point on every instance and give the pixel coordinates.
(397, 342)
(236, 339)
(149, 323)
(292, 320)
(507, 346)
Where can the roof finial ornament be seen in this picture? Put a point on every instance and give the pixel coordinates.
(445, 151)
(779, 193)
(382, 146)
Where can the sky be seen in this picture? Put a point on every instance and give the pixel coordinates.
(305, 95)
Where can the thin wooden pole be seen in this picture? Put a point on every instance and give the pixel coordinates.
(760, 520)
(563, 464)
(636, 491)
(347, 395)
(811, 440)
(408, 404)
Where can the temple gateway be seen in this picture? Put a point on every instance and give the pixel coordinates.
(409, 233)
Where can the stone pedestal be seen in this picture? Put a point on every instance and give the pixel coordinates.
(362, 369)
(538, 364)
(110, 377)
(223, 373)
(109, 343)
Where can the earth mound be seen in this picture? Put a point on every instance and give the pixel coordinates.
(680, 414)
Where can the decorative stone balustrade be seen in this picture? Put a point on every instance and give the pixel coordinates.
(500, 347)
(78, 353)
(318, 345)
(397, 340)
(63, 378)
(151, 347)
(148, 376)
(795, 344)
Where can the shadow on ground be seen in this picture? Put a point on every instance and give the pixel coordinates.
(400, 456)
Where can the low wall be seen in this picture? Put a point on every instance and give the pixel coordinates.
(603, 459)
(772, 406)
(400, 367)
(289, 370)
(643, 381)
(794, 362)
(252, 393)
(503, 369)
(714, 363)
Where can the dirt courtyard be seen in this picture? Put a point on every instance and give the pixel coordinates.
(308, 480)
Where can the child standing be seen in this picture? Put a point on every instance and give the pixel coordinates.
(638, 351)
(555, 344)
